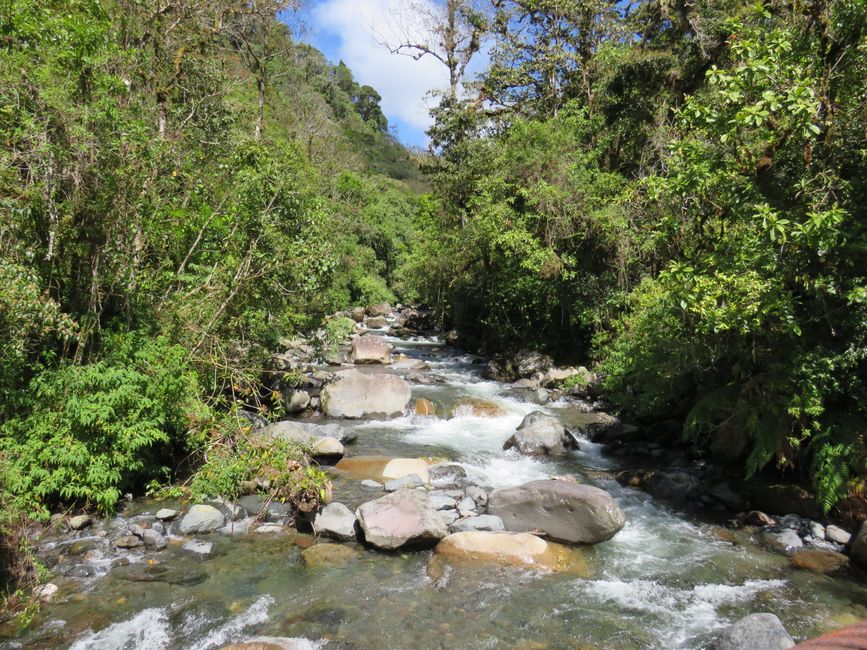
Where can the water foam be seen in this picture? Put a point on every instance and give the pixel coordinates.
(147, 629)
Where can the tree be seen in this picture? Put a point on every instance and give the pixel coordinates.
(450, 31)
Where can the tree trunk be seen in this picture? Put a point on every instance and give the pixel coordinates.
(260, 115)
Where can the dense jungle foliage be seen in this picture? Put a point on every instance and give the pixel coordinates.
(671, 191)
(676, 192)
(183, 185)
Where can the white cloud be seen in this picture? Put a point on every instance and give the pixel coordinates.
(404, 83)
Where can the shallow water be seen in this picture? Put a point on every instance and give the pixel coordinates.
(665, 581)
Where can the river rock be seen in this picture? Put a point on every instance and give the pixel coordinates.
(408, 481)
(565, 511)
(80, 522)
(441, 501)
(376, 322)
(166, 514)
(759, 518)
(383, 469)
(754, 632)
(444, 476)
(307, 432)
(783, 541)
(198, 548)
(328, 448)
(402, 518)
(325, 555)
(354, 395)
(858, 552)
(482, 522)
(837, 535)
(357, 314)
(678, 487)
(512, 549)
(541, 435)
(335, 521)
(370, 349)
(818, 561)
(154, 539)
(201, 519)
(380, 309)
(295, 401)
(420, 320)
(127, 541)
(478, 495)
(425, 407)
(478, 408)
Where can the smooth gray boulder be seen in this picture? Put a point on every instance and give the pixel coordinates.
(166, 514)
(201, 519)
(837, 535)
(754, 632)
(354, 395)
(565, 511)
(335, 521)
(482, 522)
(400, 519)
(370, 349)
(80, 522)
(541, 435)
(154, 539)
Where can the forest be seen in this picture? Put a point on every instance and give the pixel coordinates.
(671, 193)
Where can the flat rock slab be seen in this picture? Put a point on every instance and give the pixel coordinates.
(382, 468)
(565, 511)
(355, 395)
(513, 549)
(400, 519)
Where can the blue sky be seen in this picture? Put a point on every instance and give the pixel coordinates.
(349, 30)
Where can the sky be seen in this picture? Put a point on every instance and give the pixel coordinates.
(350, 30)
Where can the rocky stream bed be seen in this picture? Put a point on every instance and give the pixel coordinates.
(611, 543)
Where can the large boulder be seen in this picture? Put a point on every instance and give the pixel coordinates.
(375, 322)
(754, 632)
(420, 320)
(564, 510)
(370, 349)
(541, 435)
(400, 519)
(354, 395)
(512, 549)
(335, 521)
(201, 519)
(784, 500)
(526, 363)
(858, 552)
(678, 487)
(381, 309)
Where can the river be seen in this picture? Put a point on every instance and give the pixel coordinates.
(666, 580)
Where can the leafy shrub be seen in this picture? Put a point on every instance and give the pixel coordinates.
(236, 461)
(92, 431)
(336, 331)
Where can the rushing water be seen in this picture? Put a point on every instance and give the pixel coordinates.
(665, 581)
